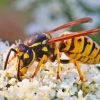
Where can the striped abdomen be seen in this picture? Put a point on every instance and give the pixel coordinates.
(82, 49)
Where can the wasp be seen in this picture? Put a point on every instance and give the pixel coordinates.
(42, 47)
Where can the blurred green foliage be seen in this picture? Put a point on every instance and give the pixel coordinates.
(4, 3)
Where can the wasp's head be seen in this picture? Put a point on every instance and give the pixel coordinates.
(25, 54)
(25, 57)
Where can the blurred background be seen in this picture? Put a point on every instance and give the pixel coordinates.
(19, 18)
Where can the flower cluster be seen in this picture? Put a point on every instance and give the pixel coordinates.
(45, 86)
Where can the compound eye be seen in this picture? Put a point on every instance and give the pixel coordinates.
(22, 48)
(29, 52)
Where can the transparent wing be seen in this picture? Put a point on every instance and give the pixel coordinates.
(70, 24)
(73, 34)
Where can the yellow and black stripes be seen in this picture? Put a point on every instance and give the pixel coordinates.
(82, 49)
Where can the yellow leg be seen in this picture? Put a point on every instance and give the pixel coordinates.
(82, 76)
(42, 61)
(58, 59)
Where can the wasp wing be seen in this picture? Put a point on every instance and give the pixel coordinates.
(74, 34)
(70, 24)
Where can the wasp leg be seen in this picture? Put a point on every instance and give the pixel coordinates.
(42, 61)
(82, 76)
(18, 70)
(57, 53)
(5, 66)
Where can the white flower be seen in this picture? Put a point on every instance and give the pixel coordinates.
(45, 86)
(52, 93)
(80, 94)
(12, 81)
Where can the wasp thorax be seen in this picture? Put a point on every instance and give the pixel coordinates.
(36, 38)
